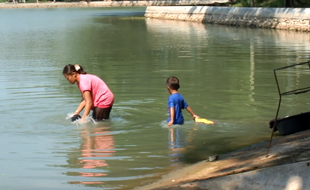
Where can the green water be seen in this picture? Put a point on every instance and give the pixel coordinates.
(226, 75)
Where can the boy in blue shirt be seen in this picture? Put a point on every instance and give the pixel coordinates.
(176, 103)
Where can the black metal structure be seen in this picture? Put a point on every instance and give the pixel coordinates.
(301, 119)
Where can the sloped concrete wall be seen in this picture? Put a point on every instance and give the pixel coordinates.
(275, 18)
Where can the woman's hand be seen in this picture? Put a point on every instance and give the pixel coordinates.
(83, 120)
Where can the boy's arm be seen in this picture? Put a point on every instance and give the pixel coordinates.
(172, 113)
(189, 109)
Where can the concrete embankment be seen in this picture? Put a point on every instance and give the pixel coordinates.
(297, 19)
(286, 167)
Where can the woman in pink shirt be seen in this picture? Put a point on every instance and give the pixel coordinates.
(96, 95)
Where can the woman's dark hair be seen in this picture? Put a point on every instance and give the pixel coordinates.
(173, 83)
(69, 69)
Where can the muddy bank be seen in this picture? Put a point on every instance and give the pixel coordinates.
(287, 166)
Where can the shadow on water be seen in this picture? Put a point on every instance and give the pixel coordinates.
(123, 14)
(193, 142)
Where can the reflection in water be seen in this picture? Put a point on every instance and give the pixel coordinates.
(97, 144)
(180, 142)
(252, 71)
(177, 145)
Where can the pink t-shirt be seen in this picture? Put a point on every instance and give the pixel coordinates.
(101, 94)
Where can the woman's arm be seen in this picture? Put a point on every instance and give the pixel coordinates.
(88, 104)
(80, 108)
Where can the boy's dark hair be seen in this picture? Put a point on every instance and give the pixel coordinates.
(173, 83)
(69, 69)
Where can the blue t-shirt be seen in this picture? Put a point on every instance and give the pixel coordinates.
(177, 101)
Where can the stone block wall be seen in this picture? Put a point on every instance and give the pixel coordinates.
(297, 19)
